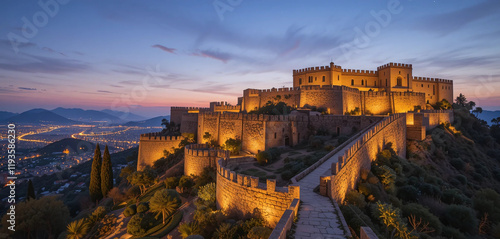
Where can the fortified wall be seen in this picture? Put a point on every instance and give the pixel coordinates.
(419, 122)
(151, 147)
(346, 172)
(260, 132)
(244, 194)
(200, 156)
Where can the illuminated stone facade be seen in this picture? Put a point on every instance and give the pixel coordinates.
(199, 156)
(243, 194)
(152, 146)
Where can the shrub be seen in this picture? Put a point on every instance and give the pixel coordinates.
(315, 142)
(342, 139)
(487, 201)
(355, 198)
(457, 163)
(188, 229)
(140, 223)
(143, 207)
(450, 232)
(423, 213)
(370, 189)
(259, 233)
(430, 190)
(462, 179)
(287, 175)
(225, 231)
(233, 145)
(133, 192)
(460, 217)
(186, 182)
(195, 237)
(130, 210)
(263, 157)
(453, 196)
(171, 182)
(207, 193)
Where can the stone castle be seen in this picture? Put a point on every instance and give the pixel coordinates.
(376, 107)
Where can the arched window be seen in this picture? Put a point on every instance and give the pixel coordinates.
(362, 82)
(300, 81)
(386, 82)
(433, 90)
(324, 79)
(338, 77)
(352, 81)
(375, 83)
(399, 81)
(422, 85)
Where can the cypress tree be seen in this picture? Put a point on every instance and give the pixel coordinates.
(31, 191)
(95, 176)
(106, 173)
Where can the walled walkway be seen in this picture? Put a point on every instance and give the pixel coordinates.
(317, 216)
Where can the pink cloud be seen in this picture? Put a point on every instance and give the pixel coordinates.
(164, 48)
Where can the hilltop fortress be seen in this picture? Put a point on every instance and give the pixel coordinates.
(374, 107)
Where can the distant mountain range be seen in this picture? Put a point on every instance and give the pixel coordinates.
(156, 121)
(39, 116)
(488, 115)
(65, 116)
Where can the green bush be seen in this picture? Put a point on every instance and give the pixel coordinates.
(461, 218)
(423, 213)
(287, 175)
(450, 232)
(263, 157)
(171, 182)
(207, 193)
(133, 192)
(259, 233)
(430, 190)
(487, 201)
(143, 207)
(186, 182)
(408, 193)
(140, 223)
(462, 179)
(355, 198)
(225, 231)
(453, 196)
(130, 210)
(356, 219)
(457, 163)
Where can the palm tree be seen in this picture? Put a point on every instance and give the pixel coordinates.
(165, 202)
(77, 229)
(188, 229)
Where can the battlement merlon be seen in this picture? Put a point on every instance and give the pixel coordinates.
(206, 151)
(157, 136)
(189, 108)
(428, 79)
(392, 64)
(332, 66)
(359, 72)
(253, 182)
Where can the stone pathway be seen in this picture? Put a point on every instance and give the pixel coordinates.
(317, 216)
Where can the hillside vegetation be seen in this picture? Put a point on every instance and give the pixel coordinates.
(447, 187)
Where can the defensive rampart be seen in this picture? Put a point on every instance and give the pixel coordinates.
(346, 172)
(151, 147)
(200, 156)
(243, 194)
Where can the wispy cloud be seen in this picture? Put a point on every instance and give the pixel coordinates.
(455, 20)
(26, 88)
(104, 91)
(39, 64)
(164, 48)
(216, 55)
(52, 51)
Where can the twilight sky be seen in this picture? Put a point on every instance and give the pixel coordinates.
(145, 56)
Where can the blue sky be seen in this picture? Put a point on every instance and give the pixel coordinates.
(144, 56)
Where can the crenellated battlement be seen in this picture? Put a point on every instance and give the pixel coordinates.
(359, 72)
(203, 150)
(253, 182)
(328, 87)
(313, 69)
(427, 79)
(392, 64)
(157, 136)
(406, 93)
(349, 152)
(188, 108)
(227, 107)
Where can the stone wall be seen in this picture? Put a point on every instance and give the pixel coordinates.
(189, 123)
(199, 156)
(376, 103)
(243, 194)
(328, 97)
(346, 171)
(151, 148)
(406, 101)
(286, 221)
